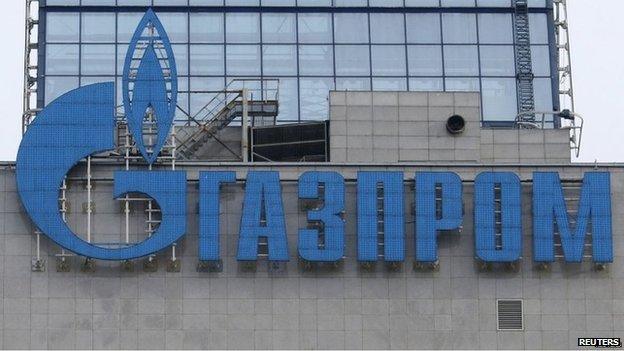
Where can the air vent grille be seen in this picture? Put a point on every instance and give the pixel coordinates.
(509, 314)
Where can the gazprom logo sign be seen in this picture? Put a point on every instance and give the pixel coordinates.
(82, 123)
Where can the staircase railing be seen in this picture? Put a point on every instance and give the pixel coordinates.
(223, 108)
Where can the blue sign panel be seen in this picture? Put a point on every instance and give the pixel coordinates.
(332, 247)
(209, 204)
(433, 215)
(380, 191)
(81, 123)
(263, 217)
(492, 245)
(549, 208)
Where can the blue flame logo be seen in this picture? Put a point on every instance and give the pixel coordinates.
(150, 86)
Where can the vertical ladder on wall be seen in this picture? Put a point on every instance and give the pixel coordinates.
(29, 102)
(31, 48)
(524, 69)
(564, 62)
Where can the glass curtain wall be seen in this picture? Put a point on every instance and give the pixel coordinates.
(311, 49)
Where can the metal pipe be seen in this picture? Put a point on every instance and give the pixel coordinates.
(89, 209)
(245, 125)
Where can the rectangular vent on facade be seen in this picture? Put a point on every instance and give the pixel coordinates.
(509, 314)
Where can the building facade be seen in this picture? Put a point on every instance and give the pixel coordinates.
(305, 175)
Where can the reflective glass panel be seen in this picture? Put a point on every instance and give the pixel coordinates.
(243, 59)
(351, 27)
(388, 60)
(423, 28)
(279, 28)
(242, 27)
(497, 60)
(98, 60)
(62, 59)
(459, 28)
(426, 84)
(425, 60)
(98, 27)
(279, 59)
(461, 60)
(207, 60)
(495, 28)
(314, 97)
(541, 60)
(352, 60)
(315, 28)
(387, 28)
(389, 84)
(316, 60)
(57, 86)
(62, 27)
(353, 84)
(499, 99)
(206, 27)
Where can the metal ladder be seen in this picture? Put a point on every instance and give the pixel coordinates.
(564, 61)
(29, 103)
(31, 50)
(524, 75)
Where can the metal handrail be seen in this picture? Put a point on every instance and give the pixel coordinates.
(576, 123)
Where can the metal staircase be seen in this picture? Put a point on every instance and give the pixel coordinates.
(220, 111)
(524, 68)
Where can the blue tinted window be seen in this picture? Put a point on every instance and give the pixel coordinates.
(57, 86)
(499, 99)
(98, 27)
(423, 28)
(351, 28)
(279, 28)
(541, 60)
(352, 60)
(206, 28)
(98, 60)
(426, 84)
(495, 28)
(207, 60)
(176, 25)
(279, 59)
(242, 27)
(243, 59)
(389, 84)
(425, 60)
(459, 28)
(388, 60)
(387, 28)
(353, 84)
(62, 59)
(316, 60)
(498, 60)
(461, 60)
(62, 27)
(314, 97)
(315, 28)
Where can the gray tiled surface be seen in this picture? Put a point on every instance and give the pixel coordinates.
(387, 127)
(452, 308)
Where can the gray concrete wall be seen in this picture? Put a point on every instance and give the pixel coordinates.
(347, 308)
(388, 127)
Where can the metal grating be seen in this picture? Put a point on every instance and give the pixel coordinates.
(509, 315)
